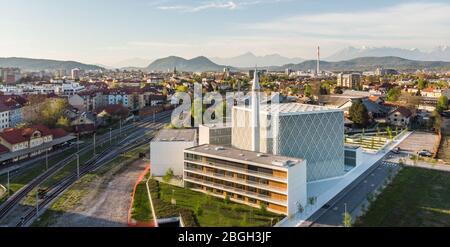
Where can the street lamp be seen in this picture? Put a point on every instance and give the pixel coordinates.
(78, 166)
(110, 136)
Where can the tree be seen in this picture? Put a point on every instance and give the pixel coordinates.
(394, 94)
(308, 91)
(182, 89)
(51, 112)
(169, 175)
(359, 114)
(421, 84)
(263, 207)
(347, 220)
(442, 104)
(63, 122)
(226, 200)
(389, 132)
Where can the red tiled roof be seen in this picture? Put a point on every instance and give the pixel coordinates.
(84, 128)
(58, 133)
(15, 136)
(3, 149)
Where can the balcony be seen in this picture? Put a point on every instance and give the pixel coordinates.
(231, 189)
(236, 180)
(229, 168)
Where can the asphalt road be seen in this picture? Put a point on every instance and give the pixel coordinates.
(353, 196)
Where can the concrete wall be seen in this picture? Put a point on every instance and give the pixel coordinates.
(165, 155)
(297, 187)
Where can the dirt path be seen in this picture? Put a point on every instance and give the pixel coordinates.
(107, 204)
(444, 150)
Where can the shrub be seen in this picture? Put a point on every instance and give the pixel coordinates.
(169, 175)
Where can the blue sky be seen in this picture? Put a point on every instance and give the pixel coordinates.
(108, 31)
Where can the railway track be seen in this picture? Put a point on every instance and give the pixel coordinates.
(56, 190)
(7, 206)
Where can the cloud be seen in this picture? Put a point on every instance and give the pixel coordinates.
(404, 22)
(227, 5)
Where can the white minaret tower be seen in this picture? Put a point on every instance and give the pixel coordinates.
(255, 112)
(318, 61)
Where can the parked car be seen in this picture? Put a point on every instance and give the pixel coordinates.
(396, 150)
(425, 153)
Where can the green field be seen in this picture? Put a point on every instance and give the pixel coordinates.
(416, 197)
(207, 211)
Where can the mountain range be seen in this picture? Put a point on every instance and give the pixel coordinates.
(198, 64)
(367, 64)
(251, 60)
(441, 53)
(31, 64)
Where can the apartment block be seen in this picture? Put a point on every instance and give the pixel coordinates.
(247, 177)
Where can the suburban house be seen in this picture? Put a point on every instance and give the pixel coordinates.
(400, 116)
(85, 123)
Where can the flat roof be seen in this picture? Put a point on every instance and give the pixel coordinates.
(245, 156)
(174, 135)
(290, 108)
(217, 126)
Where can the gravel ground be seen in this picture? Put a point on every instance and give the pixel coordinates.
(107, 203)
(418, 141)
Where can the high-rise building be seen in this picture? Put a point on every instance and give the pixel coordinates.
(352, 81)
(75, 74)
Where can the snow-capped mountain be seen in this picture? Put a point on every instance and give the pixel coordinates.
(441, 53)
(250, 60)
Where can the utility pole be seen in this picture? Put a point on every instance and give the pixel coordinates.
(37, 202)
(78, 166)
(94, 144)
(7, 183)
(78, 142)
(46, 160)
(120, 128)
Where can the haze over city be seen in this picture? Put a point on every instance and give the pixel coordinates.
(114, 32)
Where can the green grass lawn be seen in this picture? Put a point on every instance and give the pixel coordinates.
(208, 211)
(141, 205)
(416, 197)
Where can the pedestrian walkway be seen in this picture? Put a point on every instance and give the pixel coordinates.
(326, 190)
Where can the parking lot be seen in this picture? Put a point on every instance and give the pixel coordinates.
(418, 141)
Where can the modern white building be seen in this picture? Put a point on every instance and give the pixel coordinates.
(166, 150)
(313, 133)
(247, 177)
(215, 134)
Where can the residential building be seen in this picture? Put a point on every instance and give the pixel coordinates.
(247, 177)
(400, 117)
(4, 117)
(166, 150)
(352, 80)
(75, 74)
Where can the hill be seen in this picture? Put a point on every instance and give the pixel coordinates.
(198, 64)
(31, 64)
